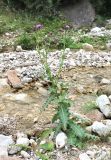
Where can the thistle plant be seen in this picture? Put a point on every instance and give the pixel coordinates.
(58, 94)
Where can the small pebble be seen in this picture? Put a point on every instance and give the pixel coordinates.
(25, 154)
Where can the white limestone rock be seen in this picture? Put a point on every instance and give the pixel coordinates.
(61, 140)
(14, 149)
(22, 139)
(95, 30)
(19, 49)
(3, 151)
(6, 140)
(25, 155)
(88, 47)
(21, 98)
(102, 101)
(84, 156)
(101, 129)
(42, 91)
(104, 105)
(105, 81)
(91, 154)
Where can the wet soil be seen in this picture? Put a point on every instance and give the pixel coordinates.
(83, 87)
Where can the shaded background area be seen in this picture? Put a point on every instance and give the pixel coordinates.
(102, 7)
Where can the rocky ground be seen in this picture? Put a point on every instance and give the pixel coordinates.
(23, 92)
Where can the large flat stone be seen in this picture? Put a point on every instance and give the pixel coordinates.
(3, 151)
(104, 105)
(13, 79)
(81, 13)
(101, 129)
(21, 98)
(5, 140)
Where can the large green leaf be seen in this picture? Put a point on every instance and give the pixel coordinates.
(77, 130)
(63, 114)
(73, 140)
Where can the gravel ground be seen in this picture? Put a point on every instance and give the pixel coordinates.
(27, 63)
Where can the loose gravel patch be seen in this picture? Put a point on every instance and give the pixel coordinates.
(28, 65)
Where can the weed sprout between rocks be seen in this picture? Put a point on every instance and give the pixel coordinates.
(58, 94)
